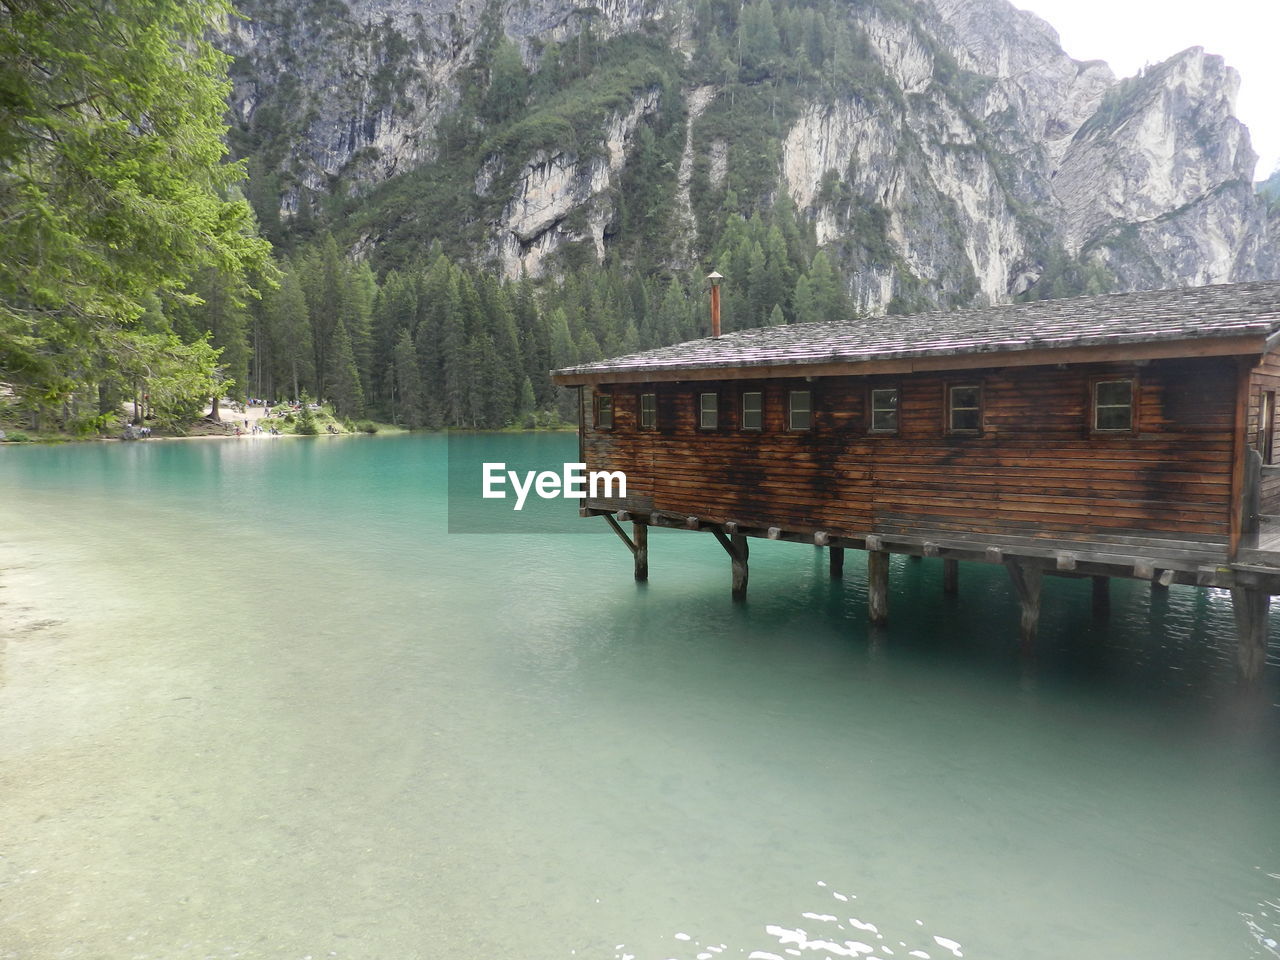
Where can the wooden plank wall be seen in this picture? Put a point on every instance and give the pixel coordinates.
(1036, 470)
(1265, 376)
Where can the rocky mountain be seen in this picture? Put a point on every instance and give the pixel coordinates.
(941, 151)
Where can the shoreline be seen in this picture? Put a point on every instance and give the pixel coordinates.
(44, 440)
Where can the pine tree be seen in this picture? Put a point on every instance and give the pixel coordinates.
(288, 330)
(324, 277)
(409, 399)
(344, 379)
(527, 403)
(564, 352)
(802, 303)
(306, 419)
(829, 299)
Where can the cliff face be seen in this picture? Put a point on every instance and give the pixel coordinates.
(969, 160)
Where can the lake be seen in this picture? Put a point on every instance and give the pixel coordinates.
(257, 701)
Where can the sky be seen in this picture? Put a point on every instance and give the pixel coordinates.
(1130, 33)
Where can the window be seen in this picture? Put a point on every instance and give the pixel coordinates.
(1113, 406)
(1267, 425)
(884, 410)
(709, 411)
(799, 410)
(752, 411)
(604, 411)
(964, 409)
(648, 411)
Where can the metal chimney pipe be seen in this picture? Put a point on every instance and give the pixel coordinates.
(715, 279)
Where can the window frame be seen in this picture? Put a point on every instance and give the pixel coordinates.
(896, 389)
(1132, 428)
(715, 411)
(950, 409)
(653, 411)
(791, 410)
(603, 401)
(759, 411)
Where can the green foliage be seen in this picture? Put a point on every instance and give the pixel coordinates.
(1270, 190)
(112, 181)
(306, 423)
(1064, 276)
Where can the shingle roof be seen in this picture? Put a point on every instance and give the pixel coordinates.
(1228, 310)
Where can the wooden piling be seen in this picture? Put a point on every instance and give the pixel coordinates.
(1027, 579)
(1250, 606)
(950, 576)
(736, 547)
(878, 587)
(837, 563)
(640, 535)
(739, 560)
(1101, 597)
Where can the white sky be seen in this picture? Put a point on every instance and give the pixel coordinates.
(1130, 33)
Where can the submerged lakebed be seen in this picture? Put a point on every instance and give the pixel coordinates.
(257, 700)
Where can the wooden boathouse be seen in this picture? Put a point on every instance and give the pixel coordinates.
(1129, 435)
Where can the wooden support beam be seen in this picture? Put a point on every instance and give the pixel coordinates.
(731, 527)
(837, 563)
(740, 567)
(775, 533)
(1251, 607)
(1144, 570)
(931, 549)
(1101, 597)
(878, 587)
(623, 516)
(640, 533)
(736, 547)
(1027, 579)
(1162, 581)
(617, 528)
(950, 576)
(821, 538)
(1066, 561)
(995, 555)
(874, 542)
(655, 518)
(691, 523)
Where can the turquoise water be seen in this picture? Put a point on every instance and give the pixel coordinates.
(256, 701)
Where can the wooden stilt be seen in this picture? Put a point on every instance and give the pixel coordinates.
(1251, 607)
(739, 557)
(878, 587)
(837, 563)
(736, 547)
(1027, 579)
(640, 534)
(1160, 582)
(1101, 597)
(950, 576)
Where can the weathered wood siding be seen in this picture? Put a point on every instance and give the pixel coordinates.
(1036, 470)
(1265, 377)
